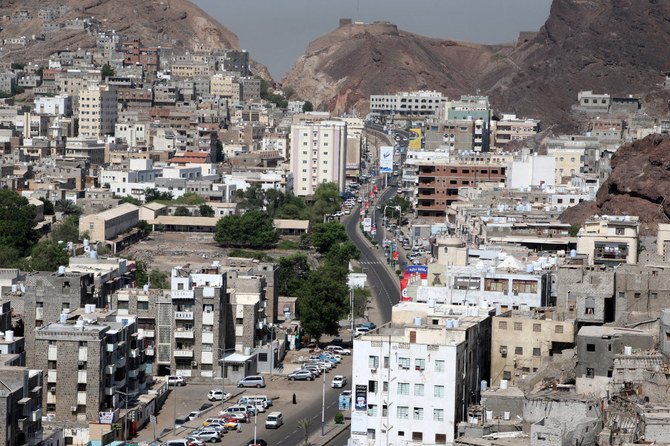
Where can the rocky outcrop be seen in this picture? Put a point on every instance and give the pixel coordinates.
(639, 185)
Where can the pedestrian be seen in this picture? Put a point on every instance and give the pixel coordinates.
(294, 400)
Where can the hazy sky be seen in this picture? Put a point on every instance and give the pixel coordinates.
(276, 32)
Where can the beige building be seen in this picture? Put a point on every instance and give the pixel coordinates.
(190, 69)
(97, 111)
(609, 240)
(225, 87)
(663, 240)
(108, 224)
(569, 162)
(85, 148)
(510, 128)
(521, 340)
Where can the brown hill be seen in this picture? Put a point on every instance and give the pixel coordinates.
(169, 23)
(614, 46)
(638, 185)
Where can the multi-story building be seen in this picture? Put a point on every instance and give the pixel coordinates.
(473, 108)
(225, 86)
(414, 377)
(85, 149)
(110, 223)
(60, 105)
(97, 111)
(510, 128)
(90, 358)
(609, 240)
(318, 155)
(407, 103)
(522, 340)
(531, 170)
(458, 135)
(11, 347)
(20, 406)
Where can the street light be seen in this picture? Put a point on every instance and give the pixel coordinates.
(323, 406)
(125, 422)
(222, 361)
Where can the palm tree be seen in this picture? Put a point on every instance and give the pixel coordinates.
(305, 424)
(67, 207)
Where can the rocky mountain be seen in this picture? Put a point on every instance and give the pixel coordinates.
(173, 23)
(614, 46)
(638, 185)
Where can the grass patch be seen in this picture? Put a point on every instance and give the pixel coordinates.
(287, 244)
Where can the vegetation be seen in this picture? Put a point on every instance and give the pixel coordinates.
(253, 229)
(574, 229)
(256, 255)
(287, 244)
(131, 200)
(67, 231)
(292, 271)
(67, 207)
(48, 206)
(182, 211)
(206, 210)
(397, 201)
(17, 235)
(307, 107)
(219, 152)
(277, 99)
(17, 66)
(155, 278)
(106, 71)
(46, 255)
(339, 418)
(326, 235)
(361, 301)
(153, 194)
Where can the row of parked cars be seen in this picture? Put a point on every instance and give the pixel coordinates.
(315, 366)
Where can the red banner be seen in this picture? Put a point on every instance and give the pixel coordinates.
(403, 290)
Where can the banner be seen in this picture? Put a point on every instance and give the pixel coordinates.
(386, 159)
(367, 224)
(403, 290)
(361, 397)
(413, 270)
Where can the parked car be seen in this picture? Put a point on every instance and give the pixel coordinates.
(339, 350)
(176, 381)
(179, 422)
(338, 381)
(193, 415)
(368, 325)
(179, 442)
(218, 395)
(361, 331)
(252, 381)
(274, 420)
(300, 375)
(209, 435)
(258, 442)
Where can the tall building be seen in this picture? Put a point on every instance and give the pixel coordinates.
(318, 155)
(407, 103)
(97, 111)
(20, 406)
(472, 108)
(414, 378)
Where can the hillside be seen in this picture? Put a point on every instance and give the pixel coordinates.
(638, 185)
(614, 46)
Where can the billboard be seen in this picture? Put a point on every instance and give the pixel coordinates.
(361, 402)
(415, 138)
(385, 159)
(412, 270)
(403, 290)
(367, 224)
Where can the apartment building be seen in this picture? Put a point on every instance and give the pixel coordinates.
(510, 128)
(458, 135)
(110, 223)
(318, 155)
(414, 377)
(97, 111)
(438, 183)
(472, 108)
(248, 305)
(12, 348)
(20, 406)
(225, 86)
(85, 149)
(609, 240)
(407, 103)
(60, 105)
(569, 161)
(522, 340)
(531, 170)
(90, 358)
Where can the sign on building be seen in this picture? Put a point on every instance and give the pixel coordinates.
(361, 397)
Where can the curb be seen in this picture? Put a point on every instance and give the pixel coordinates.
(333, 434)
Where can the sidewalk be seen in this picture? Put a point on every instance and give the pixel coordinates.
(331, 431)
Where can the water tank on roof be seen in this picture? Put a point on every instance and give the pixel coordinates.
(456, 323)
(61, 270)
(14, 288)
(247, 351)
(85, 242)
(503, 383)
(484, 385)
(9, 335)
(450, 323)
(63, 318)
(573, 253)
(417, 321)
(146, 287)
(93, 254)
(627, 350)
(529, 268)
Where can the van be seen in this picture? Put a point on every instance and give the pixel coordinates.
(252, 381)
(236, 410)
(260, 401)
(274, 420)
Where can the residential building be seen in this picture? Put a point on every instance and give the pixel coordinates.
(569, 161)
(418, 373)
(97, 111)
(318, 155)
(60, 105)
(510, 128)
(473, 108)
(457, 134)
(20, 406)
(407, 103)
(225, 86)
(531, 170)
(522, 340)
(109, 224)
(590, 102)
(609, 240)
(85, 149)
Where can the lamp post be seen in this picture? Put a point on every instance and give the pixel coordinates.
(323, 405)
(126, 395)
(222, 361)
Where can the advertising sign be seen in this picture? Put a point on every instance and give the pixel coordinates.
(413, 270)
(415, 139)
(386, 159)
(344, 402)
(403, 290)
(367, 224)
(361, 398)
(106, 417)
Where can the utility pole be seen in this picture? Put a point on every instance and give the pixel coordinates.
(323, 407)
(351, 305)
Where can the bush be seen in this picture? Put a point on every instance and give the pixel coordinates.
(287, 244)
(339, 418)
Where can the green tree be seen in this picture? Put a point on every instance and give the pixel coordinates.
(48, 206)
(47, 255)
(253, 229)
(326, 201)
(17, 219)
(326, 235)
(404, 204)
(67, 207)
(153, 194)
(67, 231)
(182, 211)
(341, 253)
(190, 198)
(307, 107)
(131, 200)
(361, 301)
(219, 152)
(292, 272)
(17, 66)
(574, 230)
(321, 303)
(106, 71)
(206, 210)
(143, 226)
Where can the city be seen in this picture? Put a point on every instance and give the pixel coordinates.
(193, 252)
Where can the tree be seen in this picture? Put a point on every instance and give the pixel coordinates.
(219, 152)
(17, 66)
(67, 231)
(253, 229)
(326, 201)
(292, 271)
(182, 211)
(106, 71)
(131, 200)
(339, 254)
(48, 206)
(307, 107)
(325, 235)
(321, 303)
(143, 226)
(17, 219)
(361, 301)
(153, 194)
(574, 230)
(47, 255)
(67, 207)
(206, 210)
(304, 424)
(190, 198)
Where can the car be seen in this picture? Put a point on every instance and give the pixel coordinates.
(338, 381)
(218, 395)
(237, 409)
(339, 350)
(209, 435)
(194, 441)
(360, 331)
(176, 381)
(193, 415)
(347, 212)
(346, 394)
(314, 368)
(368, 325)
(252, 381)
(179, 422)
(257, 442)
(300, 375)
(274, 420)
(205, 406)
(241, 417)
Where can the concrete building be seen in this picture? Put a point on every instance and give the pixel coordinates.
(97, 111)
(109, 224)
(642, 292)
(592, 102)
(510, 128)
(474, 108)
(60, 105)
(531, 170)
(609, 240)
(407, 103)
(318, 155)
(522, 340)
(585, 294)
(418, 373)
(20, 406)
(225, 86)
(458, 135)
(84, 149)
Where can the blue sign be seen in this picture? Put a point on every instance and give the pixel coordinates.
(344, 402)
(416, 269)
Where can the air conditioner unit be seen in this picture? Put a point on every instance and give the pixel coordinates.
(503, 350)
(373, 370)
(73, 408)
(194, 363)
(81, 363)
(52, 389)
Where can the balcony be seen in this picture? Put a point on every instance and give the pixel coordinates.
(36, 415)
(182, 353)
(132, 374)
(208, 318)
(112, 347)
(121, 362)
(135, 353)
(110, 369)
(184, 334)
(183, 315)
(109, 391)
(182, 294)
(39, 313)
(82, 376)
(208, 338)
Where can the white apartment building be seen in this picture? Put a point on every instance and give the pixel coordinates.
(60, 105)
(318, 155)
(97, 110)
(407, 103)
(414, 377)
(134, 134)
(531, 170)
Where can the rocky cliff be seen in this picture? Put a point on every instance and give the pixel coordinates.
(639, 185)
(614, 46)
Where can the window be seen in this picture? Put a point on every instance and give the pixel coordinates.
(386, 362)
(439, 365)
(403, 412)
(502, 325)
(537, 328)
(419, 364)
(418, 389)
(637, 295)
(263, 357)
(51, 365)
(590, 373)
(143, 305)
(403, 363)
(507, 375)
(590, 347)
(536, 351)
(417, 436)
(518, 326)
(440, 438)
(653, 295)
(239, 320)
(558, 329)
(373, 362)
(122, 305)
(619, 231)
(418, 413)
(438, 391)
(372, 386)
(518, 350)
(385, 386)
(438, 414)
(403, 388)
(372, 410)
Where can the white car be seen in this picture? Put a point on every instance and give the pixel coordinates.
(218, 395)
(338, 350)
(361, 331)
(339, 381)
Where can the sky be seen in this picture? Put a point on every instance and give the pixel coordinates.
(276, 32)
